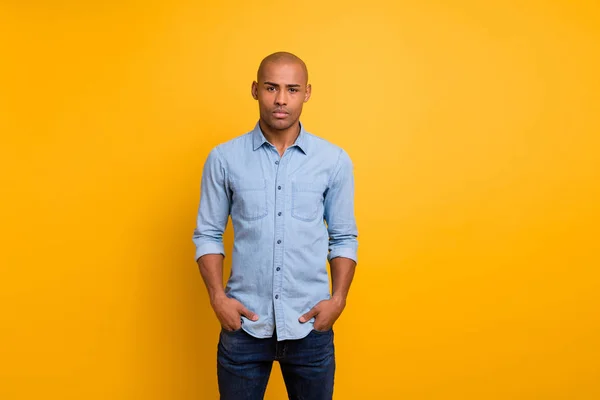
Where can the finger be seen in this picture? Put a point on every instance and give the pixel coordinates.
(231, 328)
(306, 317)
(232, 322)
(248, 314)
(227, 322)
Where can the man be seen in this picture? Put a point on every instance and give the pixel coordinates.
(290, 198)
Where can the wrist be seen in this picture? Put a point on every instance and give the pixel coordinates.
(217, 296)
(339, 300)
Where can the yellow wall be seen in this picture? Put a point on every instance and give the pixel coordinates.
(473, 127)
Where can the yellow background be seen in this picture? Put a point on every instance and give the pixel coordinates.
(473, 127)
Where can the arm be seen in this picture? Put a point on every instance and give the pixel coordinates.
(213, 211)
(339, 214)
(342, 272)
(208, 238)
(211, 269)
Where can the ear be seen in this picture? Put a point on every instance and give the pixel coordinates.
(308, 92)
(255, 90)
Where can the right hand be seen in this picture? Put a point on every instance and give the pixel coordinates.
(229, 312)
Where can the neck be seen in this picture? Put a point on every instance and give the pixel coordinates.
(281, 139)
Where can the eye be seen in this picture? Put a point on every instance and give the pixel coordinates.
(293, 90)
(270, 89)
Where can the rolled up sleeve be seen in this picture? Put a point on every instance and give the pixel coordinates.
(213, 211)
(339, 211)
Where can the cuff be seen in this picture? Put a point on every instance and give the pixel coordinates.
(345, 252)
(209, 248)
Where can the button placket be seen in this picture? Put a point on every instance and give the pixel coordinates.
(280, 174)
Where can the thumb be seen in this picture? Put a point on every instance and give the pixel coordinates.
(248, 314)
(308, 315)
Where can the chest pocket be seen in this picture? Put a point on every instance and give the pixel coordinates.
(307, 200)
(250, 199)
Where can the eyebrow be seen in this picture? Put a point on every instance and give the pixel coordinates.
(275, 84)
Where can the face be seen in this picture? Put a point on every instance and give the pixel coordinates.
(281, 92)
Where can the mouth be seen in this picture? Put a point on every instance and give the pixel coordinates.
(280, 114)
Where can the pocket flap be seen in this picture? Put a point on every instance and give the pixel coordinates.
(300, 186)
(249, 184)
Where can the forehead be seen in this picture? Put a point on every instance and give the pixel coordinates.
(283, 72)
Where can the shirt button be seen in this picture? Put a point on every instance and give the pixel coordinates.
(278, 187)
(279, 242)
(278, 268)
(276, 162)
(279, 213)
(276, 296)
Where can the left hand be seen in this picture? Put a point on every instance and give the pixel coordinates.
(326, 312)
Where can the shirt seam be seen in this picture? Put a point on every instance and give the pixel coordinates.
(336, 169)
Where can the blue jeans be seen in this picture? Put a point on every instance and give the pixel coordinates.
(244, 365)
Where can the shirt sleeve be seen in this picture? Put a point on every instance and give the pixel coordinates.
(339, 211)
(213, 211)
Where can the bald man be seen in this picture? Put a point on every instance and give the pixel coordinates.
(290, 196)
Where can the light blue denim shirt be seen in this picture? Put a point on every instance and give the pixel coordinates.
(290, 215)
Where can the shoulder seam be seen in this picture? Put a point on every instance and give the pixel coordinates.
(336, 168)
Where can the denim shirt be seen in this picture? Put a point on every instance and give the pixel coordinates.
(290, 214)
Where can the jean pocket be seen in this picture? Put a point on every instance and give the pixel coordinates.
(231, 332)
(250, 199)
(322, 332)
(307, 201)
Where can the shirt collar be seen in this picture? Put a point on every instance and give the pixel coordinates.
(258, 139)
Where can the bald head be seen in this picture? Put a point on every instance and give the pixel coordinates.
(281, 57)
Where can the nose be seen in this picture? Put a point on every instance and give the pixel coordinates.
(281, 98)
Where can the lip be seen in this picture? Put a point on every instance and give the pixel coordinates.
(280, 114)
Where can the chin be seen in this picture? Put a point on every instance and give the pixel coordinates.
(281, 124)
